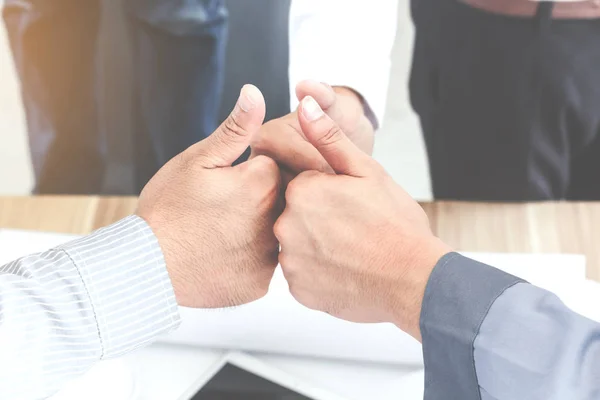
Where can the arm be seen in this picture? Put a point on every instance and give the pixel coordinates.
(503, 339)
(356, 246)
(347, 44)
(63, 310)
(118, 289)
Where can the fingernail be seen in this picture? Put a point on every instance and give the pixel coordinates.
(311, 109)
(249, 97)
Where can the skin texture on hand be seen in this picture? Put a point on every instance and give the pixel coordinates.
(214, 222)
(354, 244)
(282, 139)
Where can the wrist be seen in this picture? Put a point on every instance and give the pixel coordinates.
(414, 272)
(360, 103)
(351, 98)
(358, 126)
(165, 242)
(346, 91)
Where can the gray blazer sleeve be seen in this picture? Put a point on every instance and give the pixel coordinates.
(489, 335)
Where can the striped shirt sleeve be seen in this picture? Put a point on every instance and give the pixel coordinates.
(62, 311)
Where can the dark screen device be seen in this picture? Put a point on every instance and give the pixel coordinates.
(239, 376)
(234, 383)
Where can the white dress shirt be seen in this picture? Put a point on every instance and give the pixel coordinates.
(344, 43)
(96, 298)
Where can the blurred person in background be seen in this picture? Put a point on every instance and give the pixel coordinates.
(508, 93)
(178, 65)
(178, 56)
(340, 54)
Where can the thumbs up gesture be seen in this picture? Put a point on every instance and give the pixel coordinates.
(354, 244)
(214, 222)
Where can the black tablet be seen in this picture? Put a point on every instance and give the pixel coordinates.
(242, 377)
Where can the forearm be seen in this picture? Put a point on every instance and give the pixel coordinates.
(489, 335)
(63, 310)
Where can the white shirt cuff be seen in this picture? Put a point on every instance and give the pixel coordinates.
(124, 273)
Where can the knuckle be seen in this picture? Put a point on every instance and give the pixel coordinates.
(300, 186)
(198, 162)
(191, 163)
(263, 174)
(279, 229)
(309, 176)
(333, 135)
(260, 142)
(185, 162)
(284, 260)
(233, 128)
(266, 164)
(271, 252)
(293, 190)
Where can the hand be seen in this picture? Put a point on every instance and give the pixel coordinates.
(347, 110)
(283, 140)
(354, 245)
(215, 222)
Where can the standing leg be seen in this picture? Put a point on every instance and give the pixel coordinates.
(582, 114)
(585, 173)
(54, 46)
(424, 75)
(489, 104)
(179, 51)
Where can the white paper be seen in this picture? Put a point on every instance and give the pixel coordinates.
(278, 324)
(353, 380)
(106, 380)
(582, 297)
(16, 244)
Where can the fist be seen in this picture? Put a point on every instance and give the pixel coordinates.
(215, 222)
(354, 244)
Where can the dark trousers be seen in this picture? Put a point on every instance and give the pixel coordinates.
(178, 56)
(509, 106)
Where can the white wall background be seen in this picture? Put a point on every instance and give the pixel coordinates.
(399, 146)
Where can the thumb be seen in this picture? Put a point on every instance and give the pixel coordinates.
(327, 137)
(233, 137)
(322, 93)
(328, 99)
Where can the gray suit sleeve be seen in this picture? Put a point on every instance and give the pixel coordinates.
(531, 346)
(489, 335)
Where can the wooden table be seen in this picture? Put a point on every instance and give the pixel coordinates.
(537, 228)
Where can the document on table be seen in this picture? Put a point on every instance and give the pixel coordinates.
(278, 324)
(16, 244)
